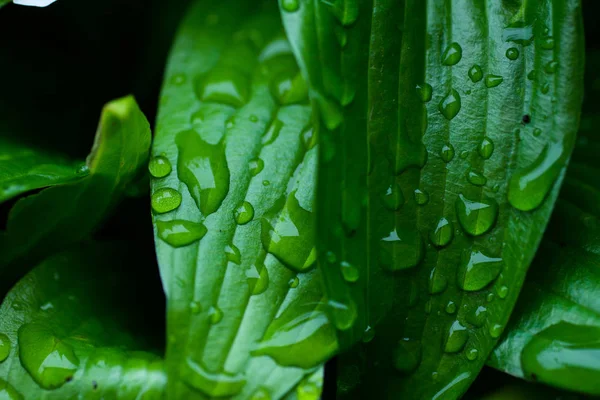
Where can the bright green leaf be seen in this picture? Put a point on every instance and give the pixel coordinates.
(234, 168)
(428, 135)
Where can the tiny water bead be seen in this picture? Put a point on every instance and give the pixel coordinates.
(290, 5)
(272, 133)
(476, 216)
(452, 55)
(165, 200)
(343, 313)
(215, 315)
(443, 233)
(253, 118)
(547, 43)
(537, 132)
(244, 213)
(402, 248)
(450, 105)
(256, 166)
(512, 53)
(425, 92)
(225, 85)
(159, 166)
(233, 254)
(294, 282)
(261, 394)
(258, 278)
(531, 75)
(447, 152)
(195, 307)
(407, 355)
(486, 148)
(451, 307)
(490, 297)
(308, 391)
(475, 73)
(545, 88)
(478, 316)
(437, 281)
(491, 81)
(502, 291)
(472, 354)
(178, 79)
(393, 197)
(350, 272)
(456, 338)
(496, 330)
(330, 257)
(5, 347)
(476, 179)
(550, 67)
(464, 154)
(179, 232)
(421, 197)
(477, 270)
(368, 334)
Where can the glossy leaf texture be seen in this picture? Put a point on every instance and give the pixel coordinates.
(447, 126)
(553, 334)
(234, 168)
(60, 337)
(42, 223)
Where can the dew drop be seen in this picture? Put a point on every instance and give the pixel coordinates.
(258, 278)
(402, 248)
(244, 213)
(289, 88)
(475, 73)
(478, 316)
(531, 75)
(195, 307)
(178, 79)
(290, 5)
(350, 272)
(492, 81)
(308, 391)
(512, 53)
(212, 384)
(179, 233)
(476, 217)
(330, 257)
(502, 291)
(464, 154)
(496, 330)
(165, 200)
(407, 355)
(233, 254)
(421, 197)
(256, 166)
(545, 88)
(456, 338)
(5, 347)
(437, 281)
(215, 315)
(266, 182)
(393, 197)
(486, 148)
(425, 92)
(159, 166)
(272, 133)
(452, 54)
(550, 67)
(447, 153)
(443, 233)
(475, 178)
(477, 270)
(472, 354)
(451, 307)
(368, 334)
(490, 297)
(294, 282)
(450, 105)
(537, 132)
(547, 43)
(261, 393)
(343, 313)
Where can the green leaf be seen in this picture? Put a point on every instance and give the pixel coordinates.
(447, 126)
(553, 333)
(58, 216)
(23, 169)
(63, 337)
(234, 166)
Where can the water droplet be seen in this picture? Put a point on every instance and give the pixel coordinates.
(203, 168)
(256, 166)
(421, 197)
(195, 307)
(8, 392)
(159, 166)
(330, 257)
(289, 236)
(393, 197)
(225, 85)
(308, 391)
(496, 330)
(478, 317)
(403, 248)
(244, 213)
(486, 148)
(368, 334)
(537, 132)
(215, 315)
(350, 272)
(49, 360)
(5, 347)
(464, 154)
(528, 187)
(165, 200)
(547, 43)
(407, 355)
(289, 87)
(425, 92)
(258, 278)
(452, 54)
(476, 217)
(266, 183)
(294, 282)
(490, 297)
(531, 75)
(492, 81)
(456, 338)
(447, 152)
(472, 354)
(178, 79)
(451, 307)
(450, 105)
(512, 53)
(212, 384)
(475, 178)
(477, 270)
(261, 393)
(550, 67)
(309, 138)
(272, 133)
(443, 233)
(343, 313)
(290, 5)
(502, 291)
(179, 232)
(475, 73)
(233, 254)
(437, 281)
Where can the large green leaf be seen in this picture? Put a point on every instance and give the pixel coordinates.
(234, 176)
(58, 216)
(554, 330)
(448, 128)
(68, 331)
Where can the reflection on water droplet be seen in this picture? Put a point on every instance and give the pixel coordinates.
(472, 354)
(452, 54)
(451, 307)
(475, 73)
(550, 67)
(490, 297)
(225, 85)
(402, 248)
(475, 178)
(215, 315)
(425, 92)
(368, 334)
(159, 166)
(477, 270)
(492, 81)
(179, 232)
(512, 53)
(393, 197)
(165, 199)
(343, 313)
(547, 43)
(486, 148)
(450, 105)
(5, 347)
(447, 152)
(496, 330)
(256, 166)
(421, 197)
(407, 355)
(350, 272)
(456, 338)
(443, 233)
(502, 291)
(294, 282)
(476, 217)
(244, 213)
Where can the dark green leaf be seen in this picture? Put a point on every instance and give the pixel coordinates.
(61, 336)
(233, 191)
(56, 217)
(449, 125)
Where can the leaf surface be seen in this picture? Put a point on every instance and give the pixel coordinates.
(233, 190)
(447, 126)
